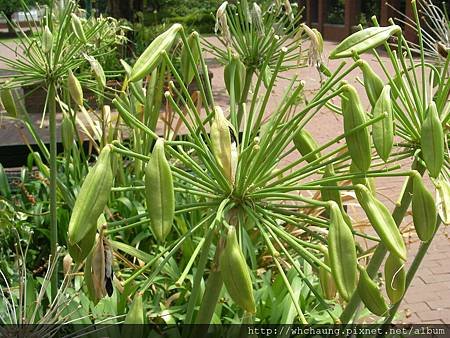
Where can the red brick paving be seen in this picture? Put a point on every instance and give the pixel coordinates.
(428, 298)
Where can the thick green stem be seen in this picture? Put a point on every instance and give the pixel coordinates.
(198, 276)
(380, 252)
(244, 95)
(412, 271)
(53, 175)
(210, 298)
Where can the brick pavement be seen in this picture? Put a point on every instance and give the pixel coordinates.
(428, 298)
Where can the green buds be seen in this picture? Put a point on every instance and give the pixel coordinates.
(326, 280)
(363, 41)
(305, 144)
(75, 90)
(424, 210)
(67, 133)
(342, 253)
(382, 221)
(150, 57)
(187, 68)
(383, 130)
(159, 192)
(136, 313)
(395, 278)
(221, 142)
(372, 82)
(432, 141)
(77, 28)
(234, 72)
(89, 205)
(370, 294)
(235, 273)
(47, 40)
(8, 101)
(354, 116)
(98, 71)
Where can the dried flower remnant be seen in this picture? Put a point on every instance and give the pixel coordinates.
(222, 23)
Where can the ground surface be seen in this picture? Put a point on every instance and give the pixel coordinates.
(428, 299)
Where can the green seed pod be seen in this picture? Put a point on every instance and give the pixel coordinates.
(159, 192)
(98, 71)
(136, 313)
(432, 141)
(342, 253)
(47, 40)
(67, 133)
(134, 320)
(382, 221)
(221, 142)
(423, 209)
(4, 185)
(305, 144)
(395, 278)
(326, 280)
(372, 82)
(75, 90)
(187, 68)
(370, 294)
(77, 28)
(358, 142)
(8, 102)
(234, 68)
(364, 40)
(235, 273)
(80, 249)
(383, 130)
(41, 166)
(150, 57)
(443, 200)
(89, 205)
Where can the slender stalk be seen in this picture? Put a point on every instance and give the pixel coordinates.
(212, 292)
(245, 91)
(378, 256)
(53, 187)
(199, 275)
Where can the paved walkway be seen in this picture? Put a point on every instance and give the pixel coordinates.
(428, 299)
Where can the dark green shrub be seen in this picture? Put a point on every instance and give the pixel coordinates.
(202, 22)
